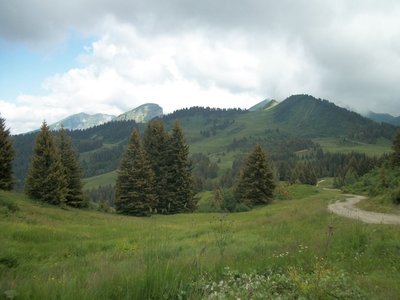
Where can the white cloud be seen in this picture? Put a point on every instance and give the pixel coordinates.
(124, 69)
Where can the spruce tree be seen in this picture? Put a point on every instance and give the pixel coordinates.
(255, 184)
(179, 174)
(134, 191)
(72, 172)
(7, 155)
(396, 149)
(46, 179)
(155, 142)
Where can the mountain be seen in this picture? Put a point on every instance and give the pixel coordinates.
(82, 121)
(308, 116)
(300, 123)
(386, 118)
(264, 105)
(142, 114)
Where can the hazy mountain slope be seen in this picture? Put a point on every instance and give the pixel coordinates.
(82, 121)
(387, 118)
(142, 114)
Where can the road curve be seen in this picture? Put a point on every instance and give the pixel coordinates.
(349, 210)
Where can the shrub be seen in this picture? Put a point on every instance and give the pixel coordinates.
(241, 207)
(7, 205)
(396, 196)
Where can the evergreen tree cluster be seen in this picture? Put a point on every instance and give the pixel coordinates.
(54, 174)
(303, 173)
(154, 176)
(7, 155)
(205, 111)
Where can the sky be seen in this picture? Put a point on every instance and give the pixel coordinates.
(58, 58)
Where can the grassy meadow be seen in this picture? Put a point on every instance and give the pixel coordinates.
(336, 145)
(289, 249)
(100, 180)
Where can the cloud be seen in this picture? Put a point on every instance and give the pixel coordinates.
(124, 69)
(218, 53)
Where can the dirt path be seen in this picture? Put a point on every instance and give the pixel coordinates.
(349, 210)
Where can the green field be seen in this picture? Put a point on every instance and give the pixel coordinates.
(52, 253)
(336, 145)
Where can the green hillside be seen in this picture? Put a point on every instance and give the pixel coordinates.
(100, 180)
(309, 116)
(47, 253)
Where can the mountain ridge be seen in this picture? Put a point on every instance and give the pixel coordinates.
(82, 121)
(142, 113)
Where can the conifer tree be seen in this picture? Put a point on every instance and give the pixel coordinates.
(7, 155)
(396, 148)
(155, 142)
(74, 196)
(134, 192)
(255, 184)
(46, 179)
(179, 176)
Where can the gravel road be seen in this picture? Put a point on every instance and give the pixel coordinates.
(349, 210)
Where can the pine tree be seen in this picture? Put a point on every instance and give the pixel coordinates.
(72, 171)
(155, 142)
(179, 174)
(396, 148)
(255, 184)
(7, 155)
(134, 192)
(46, 179)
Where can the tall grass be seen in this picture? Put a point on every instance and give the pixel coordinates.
(49, 253)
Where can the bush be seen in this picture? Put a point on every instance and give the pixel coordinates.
(7, 205)
(241, 207)
(282, 191)
(229, 203)
(9, 261)
(395, 196)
